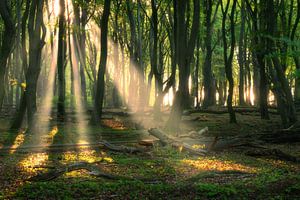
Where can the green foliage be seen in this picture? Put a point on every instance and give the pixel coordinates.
(212, 190)
(296, 73)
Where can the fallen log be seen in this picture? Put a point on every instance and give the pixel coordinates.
(91, 168)
(272, 153)
(253, 148)
(225, 111)
(195, 134)
(121, 148)
(65, 147)
(165, 139)
(282, 136)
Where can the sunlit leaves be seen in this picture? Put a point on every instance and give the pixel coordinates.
(216, 164)
(13, 82)
(23, 86)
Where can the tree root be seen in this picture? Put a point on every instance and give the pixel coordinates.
(90, 167)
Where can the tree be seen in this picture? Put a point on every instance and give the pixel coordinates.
(98, 101)
(258, 47)
(281, 86)
(242, 55)
(37, 34)
(208, 78)
(185, 49)
(6, 43)
(228, 58)
(18, 119)
(61, 58)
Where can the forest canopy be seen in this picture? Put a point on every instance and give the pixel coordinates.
(135, 54)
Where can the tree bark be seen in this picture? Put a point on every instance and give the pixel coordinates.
(6, 44)
(228, 58)
(208, 79)
(18, 119)
(98, 102)
(185, 51)
(241, 55)
(61, 56)
(37, 33)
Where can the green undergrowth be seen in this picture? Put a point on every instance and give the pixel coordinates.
(269, 179)
(140, 190)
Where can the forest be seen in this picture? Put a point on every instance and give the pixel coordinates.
(149, 99)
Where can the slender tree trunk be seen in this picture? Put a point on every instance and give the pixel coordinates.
(117, 69)
(98, 102)
(228, 58)
(241, 57)
(61, 56)
(6, 44)
(154, 64)
(296, 57)
(185, 51)
(83, 53)
(21, 111)
(37, 33)
(297, 81)
(263, 88)
(196, 75)
(208, 79)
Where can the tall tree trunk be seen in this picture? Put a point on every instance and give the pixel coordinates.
(133, 56)
(37, 33)
(282, 89)
(296, 57)
(208, 79)
(98, 101)
(185, 50)
(228, 58)
(82, 41)
(154, 62)
(258, 44)
(196, 75)
(21, 111)
(241, 55)
(6, 44)
(117, 69)
(61, 56)
(263, 89)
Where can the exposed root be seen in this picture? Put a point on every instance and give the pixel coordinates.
(90, 167)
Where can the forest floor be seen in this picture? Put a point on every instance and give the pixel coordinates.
(160, 173)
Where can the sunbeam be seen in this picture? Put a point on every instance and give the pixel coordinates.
(81, 116)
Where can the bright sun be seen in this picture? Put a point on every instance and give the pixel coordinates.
(56, 7)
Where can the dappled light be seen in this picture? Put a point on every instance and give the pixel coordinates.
(133, 99)
(214, 164)
(18, 142)
(32, 162)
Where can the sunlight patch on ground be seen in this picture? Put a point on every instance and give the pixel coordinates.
(48, 139)
(212, 164)
(280, 164)
(18, 142)
(87, 155)
(114, 124)
(29, 163)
